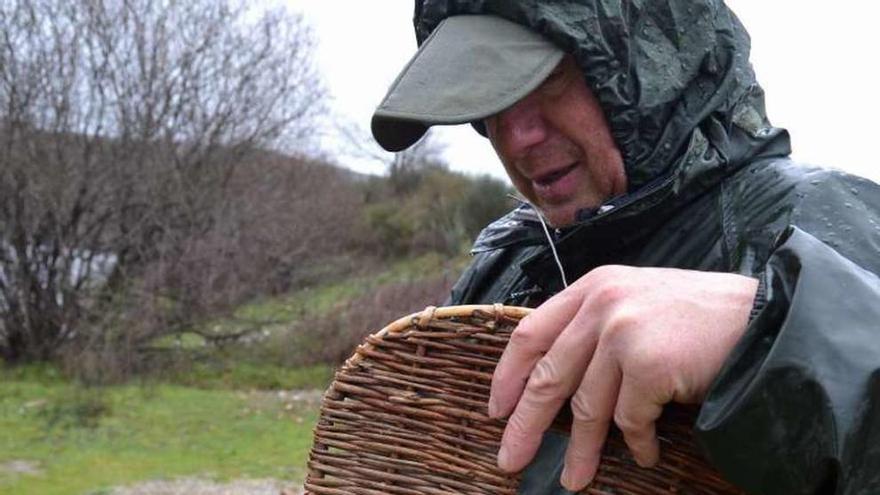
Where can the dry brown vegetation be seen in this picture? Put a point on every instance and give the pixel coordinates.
(138, 199)
(340, 331)
(122, 128)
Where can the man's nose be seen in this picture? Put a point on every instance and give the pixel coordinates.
(521, 126)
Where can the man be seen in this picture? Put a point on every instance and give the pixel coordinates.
(705, 266)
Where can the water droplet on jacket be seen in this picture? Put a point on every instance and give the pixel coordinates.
(814, 182)
(854, 191)
(848, 205)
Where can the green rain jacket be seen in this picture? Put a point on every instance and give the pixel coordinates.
(796, 408)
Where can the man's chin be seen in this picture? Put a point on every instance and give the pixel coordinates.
(559, 217)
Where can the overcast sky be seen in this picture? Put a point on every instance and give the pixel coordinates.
(816, 60)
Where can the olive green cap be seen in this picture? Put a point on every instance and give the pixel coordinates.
(471, 67)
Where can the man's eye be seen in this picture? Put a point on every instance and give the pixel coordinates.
(556, 74)
(554, 82)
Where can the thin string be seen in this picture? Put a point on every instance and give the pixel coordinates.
(547, 234)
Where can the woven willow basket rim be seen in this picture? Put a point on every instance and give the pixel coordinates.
(424, 317)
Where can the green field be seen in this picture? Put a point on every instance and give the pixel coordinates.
(83, 441)
(229, 413)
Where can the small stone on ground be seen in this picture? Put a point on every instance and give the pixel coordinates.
(17, 467)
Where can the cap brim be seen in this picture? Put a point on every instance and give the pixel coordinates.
(471, 67)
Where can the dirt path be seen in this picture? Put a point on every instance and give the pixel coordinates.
(198, 486)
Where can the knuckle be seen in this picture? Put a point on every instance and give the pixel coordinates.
(523, 337)
(610, 292)
(570, 297)
(545, 381)
(620, 325)
(526, 320)
(627, 424)
(584, 412)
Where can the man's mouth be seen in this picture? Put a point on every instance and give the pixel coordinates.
(548, 179)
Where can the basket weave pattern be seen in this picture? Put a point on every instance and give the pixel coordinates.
(406, 414)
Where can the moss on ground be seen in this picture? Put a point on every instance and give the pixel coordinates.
(320, 299)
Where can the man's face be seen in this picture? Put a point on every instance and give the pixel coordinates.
(557, 147)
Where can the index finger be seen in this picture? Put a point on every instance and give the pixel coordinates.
(531, 339)
(551, 383)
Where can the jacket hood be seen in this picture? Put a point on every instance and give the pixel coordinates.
(661, 69)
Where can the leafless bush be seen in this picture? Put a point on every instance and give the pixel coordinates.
(282, 214)
(123, 126)
(332, 338)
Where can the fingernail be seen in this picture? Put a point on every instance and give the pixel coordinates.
(564, 479)
(567, 480)
(645, 460)
(503, 458)
(493, 407)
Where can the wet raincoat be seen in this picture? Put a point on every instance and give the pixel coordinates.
(796, 408)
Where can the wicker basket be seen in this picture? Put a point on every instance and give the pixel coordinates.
(407, 415)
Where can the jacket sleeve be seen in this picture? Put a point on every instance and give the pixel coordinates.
(796, 409)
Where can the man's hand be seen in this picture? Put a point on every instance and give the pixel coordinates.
(621, 342)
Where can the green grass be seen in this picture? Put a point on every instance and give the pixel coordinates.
(87, 440)
(323, 298)
(279, 347)
(204, 420)
(242, 375)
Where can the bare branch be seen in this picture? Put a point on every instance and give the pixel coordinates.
(122, 129)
